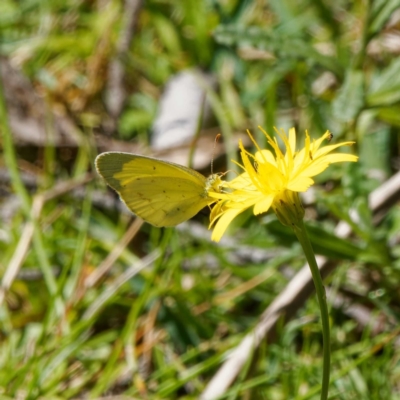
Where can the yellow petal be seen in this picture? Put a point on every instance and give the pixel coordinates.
(314, 146)
(292, 140)
(300, 184)
(270, 178)
(223, 223)
(240, 182)
(216, 212)
(222, 196)
(263, 205)
(265, 156)
(315, 168)
(327, 149)
(340, 157)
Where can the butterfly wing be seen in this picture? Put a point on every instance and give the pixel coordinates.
(160, 192)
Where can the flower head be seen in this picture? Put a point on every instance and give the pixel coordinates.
(272, 179)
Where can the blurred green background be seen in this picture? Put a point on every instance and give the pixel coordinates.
(79, 77)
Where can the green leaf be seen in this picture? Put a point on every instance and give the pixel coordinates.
(134, 120)
(385, 87)
(167, 33)
(381, 11)
(350, 99)
(324, 243)
(283, 45)
(375, 152)
(390, 115)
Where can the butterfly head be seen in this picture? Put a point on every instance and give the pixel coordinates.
(213, 184)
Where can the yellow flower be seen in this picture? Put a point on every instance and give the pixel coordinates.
(274, 180)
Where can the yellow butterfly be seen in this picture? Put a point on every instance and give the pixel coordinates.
(160, 192)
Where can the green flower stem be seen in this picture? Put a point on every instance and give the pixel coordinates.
(301, 233)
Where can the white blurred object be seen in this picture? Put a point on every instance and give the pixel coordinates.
(181, 105)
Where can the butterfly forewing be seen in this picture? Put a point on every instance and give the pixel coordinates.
(160, 192)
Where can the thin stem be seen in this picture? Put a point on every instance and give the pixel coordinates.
(302, 236)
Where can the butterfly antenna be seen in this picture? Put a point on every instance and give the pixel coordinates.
(213, 153)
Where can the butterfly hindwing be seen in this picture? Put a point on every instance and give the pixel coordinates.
(164, 201)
